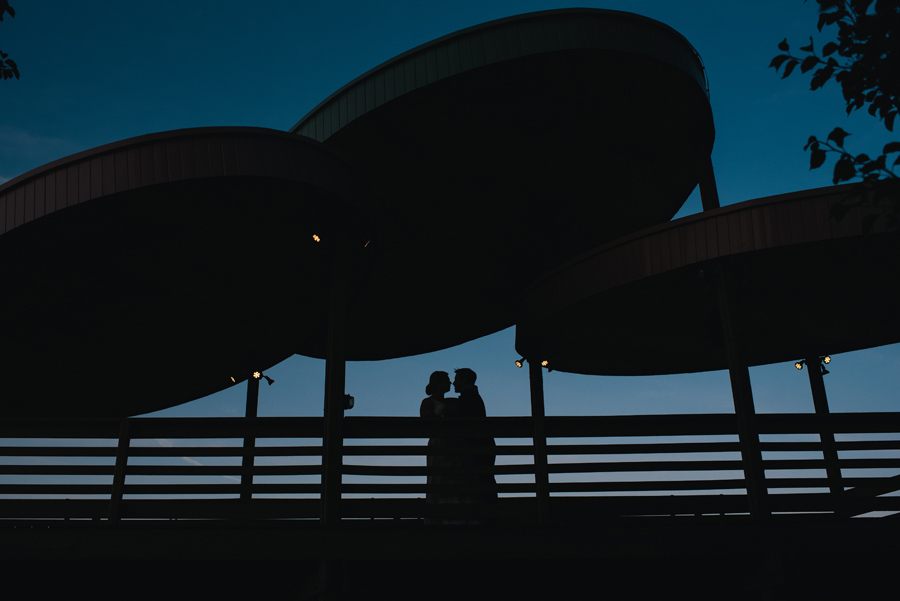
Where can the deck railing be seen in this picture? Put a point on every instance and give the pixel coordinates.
(598, 467)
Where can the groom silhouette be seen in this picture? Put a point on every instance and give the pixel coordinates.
(470, 404)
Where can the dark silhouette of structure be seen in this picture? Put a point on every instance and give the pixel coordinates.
(133, 255)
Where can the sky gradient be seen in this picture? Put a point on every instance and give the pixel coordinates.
(96, 72)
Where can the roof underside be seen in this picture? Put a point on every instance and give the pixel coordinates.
(801, 283)
(499, 152)
(161, 267)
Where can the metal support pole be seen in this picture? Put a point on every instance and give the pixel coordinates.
(541, 475)
(709, 193)
(742, 393)
(826, 435)
(335, 377)
(249, 441)
(118, 486)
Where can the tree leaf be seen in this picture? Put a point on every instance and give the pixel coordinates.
(789, 67)
(829, 48)
(827, 18)
(837, 135)
(783, 45)
(873, 166)
(808, 48)
(870, 167)
(811, 142)
(778, 60)
(816, 159)
(889, 120)
(820, 77)
(891, 147)
(808, 63)
(844, 170)
(860, 7)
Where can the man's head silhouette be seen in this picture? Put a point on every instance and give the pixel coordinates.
(464, 378)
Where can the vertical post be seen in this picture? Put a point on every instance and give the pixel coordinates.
(118, 486)
(709, 193)
(249, 441)
(742, 393)
(541, 477)
(335, 376)
(826, 435)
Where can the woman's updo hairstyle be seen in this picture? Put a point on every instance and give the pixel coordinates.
(437, 378)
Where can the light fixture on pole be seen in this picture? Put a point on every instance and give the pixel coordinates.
(259, 374)
(823, 360)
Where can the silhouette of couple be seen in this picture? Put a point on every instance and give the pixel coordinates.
(448, 458)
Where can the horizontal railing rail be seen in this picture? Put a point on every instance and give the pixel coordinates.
(598, 467)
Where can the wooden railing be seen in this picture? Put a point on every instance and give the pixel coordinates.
(598, 467)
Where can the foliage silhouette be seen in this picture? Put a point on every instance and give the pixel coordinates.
(8, 67)
(867, 48)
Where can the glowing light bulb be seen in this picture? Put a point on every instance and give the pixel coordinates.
(316, 238)
(799, 364)
(520, 362)
(257, 375)
(826, 359)
(545, 363)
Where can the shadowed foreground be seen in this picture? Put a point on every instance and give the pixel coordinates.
(683, 529)
(676, 558)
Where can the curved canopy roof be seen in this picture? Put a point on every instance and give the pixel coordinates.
(802, 283)
(149, 272)
(500, 151)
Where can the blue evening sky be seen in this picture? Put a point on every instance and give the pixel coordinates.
(98, 71)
